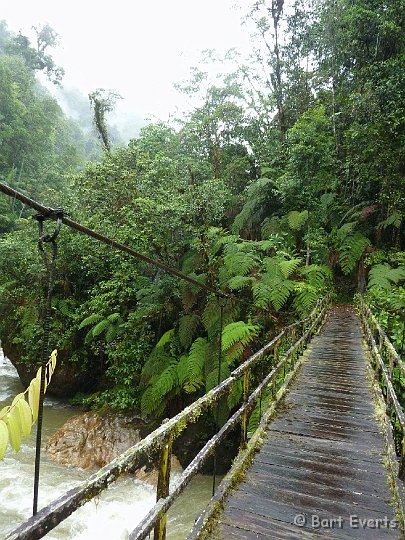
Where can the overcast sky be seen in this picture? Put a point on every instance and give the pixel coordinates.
(137, 47)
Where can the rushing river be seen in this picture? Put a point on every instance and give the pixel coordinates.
(107, 517)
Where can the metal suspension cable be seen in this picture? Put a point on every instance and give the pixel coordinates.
(56, 213)
(53, 213)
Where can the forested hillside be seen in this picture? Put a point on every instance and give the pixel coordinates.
(285, 182)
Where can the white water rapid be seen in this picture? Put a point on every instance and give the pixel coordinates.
(107, 517)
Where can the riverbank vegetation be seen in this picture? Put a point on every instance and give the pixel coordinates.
(283, 183)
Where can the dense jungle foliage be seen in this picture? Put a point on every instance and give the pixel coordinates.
(284, 182)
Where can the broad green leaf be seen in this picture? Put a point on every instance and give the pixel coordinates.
(167, 336)
(33, 397)
(25, 415)
(100, 327)
(14, 428)
(3, 439)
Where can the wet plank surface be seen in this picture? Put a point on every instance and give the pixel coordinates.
(322, 462)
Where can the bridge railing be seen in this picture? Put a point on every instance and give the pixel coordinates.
(281, 352)
(389, 372)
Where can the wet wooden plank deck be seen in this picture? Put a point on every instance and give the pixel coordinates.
(323, 455)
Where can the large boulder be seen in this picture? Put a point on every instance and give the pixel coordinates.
(93, 440)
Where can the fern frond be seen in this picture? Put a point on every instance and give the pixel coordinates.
(397, 299)
(270, 227)
(111, 333)
(346, 230)
(114, 317)
(182, 369)
(90, 320)
(149, 403)
(245, 215)
(155, 394)
(281, 291)
(394, 219)
(271, 265)
(382, 276)
(155, 364)
(265, 245)
(210, 317)
(240, 282)
(211, 380)
(297, 219)
(262, 294)
(306, 298)
(235, 394)
(188, 325)
(237, 332)
(274, 289)
(195, 365)
(289, 267)
(317, 274)
(351, 251)
(240, 263)
(224, 241)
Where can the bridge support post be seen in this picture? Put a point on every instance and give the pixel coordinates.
(401, 472)
(245, 416)
(163, 486)
(294, 352)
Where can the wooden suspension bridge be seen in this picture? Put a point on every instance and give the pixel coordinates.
(326, 460)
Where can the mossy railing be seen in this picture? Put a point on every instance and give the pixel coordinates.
(389, 373)
(285, 348)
